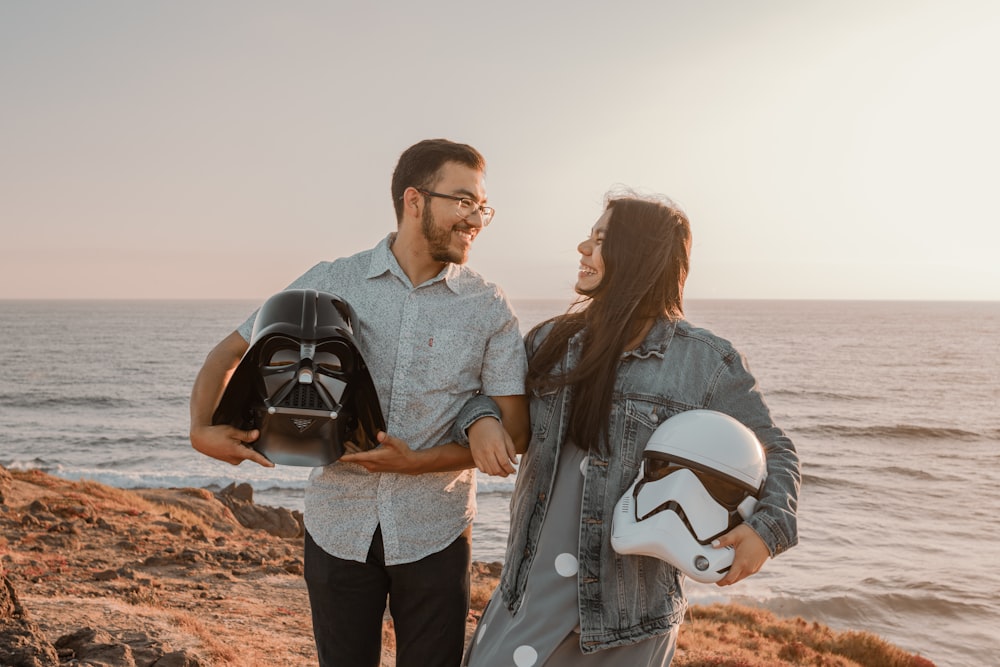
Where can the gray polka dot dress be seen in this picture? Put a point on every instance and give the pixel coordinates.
(547, 626)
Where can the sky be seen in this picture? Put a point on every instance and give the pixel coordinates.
(217, 149)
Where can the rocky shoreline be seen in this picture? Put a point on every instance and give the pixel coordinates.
(94, 575)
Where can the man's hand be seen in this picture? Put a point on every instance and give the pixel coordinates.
(751, 553)
(492, 447)
(228, 444)
(392, 455)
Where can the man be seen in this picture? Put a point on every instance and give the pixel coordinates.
(395, 521)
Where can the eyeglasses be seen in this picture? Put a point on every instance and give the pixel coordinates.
(466, 206)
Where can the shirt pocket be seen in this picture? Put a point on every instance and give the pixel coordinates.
(449, 361)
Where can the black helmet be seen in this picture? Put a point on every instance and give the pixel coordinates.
(303, 382)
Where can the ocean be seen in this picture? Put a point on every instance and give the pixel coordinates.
(893, 406)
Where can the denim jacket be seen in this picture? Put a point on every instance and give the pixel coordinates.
(625, 599)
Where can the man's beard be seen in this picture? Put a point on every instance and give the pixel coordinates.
(439, 241)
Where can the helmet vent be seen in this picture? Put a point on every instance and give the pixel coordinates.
(302, 424)
(304, 396)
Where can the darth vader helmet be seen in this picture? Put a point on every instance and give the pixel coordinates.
(303, 382)
(701, 474)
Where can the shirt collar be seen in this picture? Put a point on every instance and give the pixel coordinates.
(383, 261)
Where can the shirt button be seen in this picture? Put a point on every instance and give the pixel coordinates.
(541, 496)
(654, 417)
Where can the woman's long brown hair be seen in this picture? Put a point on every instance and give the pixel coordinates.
(646, 253)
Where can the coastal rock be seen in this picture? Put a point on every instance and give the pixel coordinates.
(277, 521)
(200, 502)
(90, 646)
(22, 643)
(177, 659)
(5, 482)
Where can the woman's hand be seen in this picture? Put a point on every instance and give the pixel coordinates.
(492, 447)
(751, 553)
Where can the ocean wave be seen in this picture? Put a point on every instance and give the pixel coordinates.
(135, 461)
(823, 395)
(123, 479)
(490, 484)
(155, 443)
(913, 473)
(34, 463)
(36, 401)
(834, 481)
(925, 586)
(127, 450)
(897, 432)
(862, 610)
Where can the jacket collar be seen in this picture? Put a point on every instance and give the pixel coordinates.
(655, 343)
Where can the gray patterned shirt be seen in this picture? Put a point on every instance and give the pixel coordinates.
(429, 348)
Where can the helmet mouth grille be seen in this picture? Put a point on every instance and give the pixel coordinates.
(305, 397)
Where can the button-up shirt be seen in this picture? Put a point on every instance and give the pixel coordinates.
(429, 348)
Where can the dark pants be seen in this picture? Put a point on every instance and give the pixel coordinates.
(428, 600)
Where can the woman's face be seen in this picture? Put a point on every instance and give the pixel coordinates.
(591, 262)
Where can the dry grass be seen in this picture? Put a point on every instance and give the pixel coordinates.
(216, 651)
(36, 477)
(729, 635)
(480, 594)
(119, 499)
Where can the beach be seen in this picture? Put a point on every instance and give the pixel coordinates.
(94, 575)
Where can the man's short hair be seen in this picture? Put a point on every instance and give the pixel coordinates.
(419, 166)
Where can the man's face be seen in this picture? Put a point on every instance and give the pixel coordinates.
(449, 237)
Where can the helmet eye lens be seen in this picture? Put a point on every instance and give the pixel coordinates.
(727, 493)
(658, 469)
(283, 357)
(328, 361)
(282, 353)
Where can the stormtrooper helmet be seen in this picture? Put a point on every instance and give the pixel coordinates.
(303, 382)
(700, 477)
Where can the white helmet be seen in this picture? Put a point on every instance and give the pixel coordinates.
(701, 474)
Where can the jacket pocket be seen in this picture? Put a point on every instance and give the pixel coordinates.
(542, 407)
(642, 417)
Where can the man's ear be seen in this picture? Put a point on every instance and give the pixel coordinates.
(412, 200)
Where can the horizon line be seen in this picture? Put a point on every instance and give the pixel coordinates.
(529, 298)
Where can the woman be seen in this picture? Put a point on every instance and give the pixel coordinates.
(601, 378)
